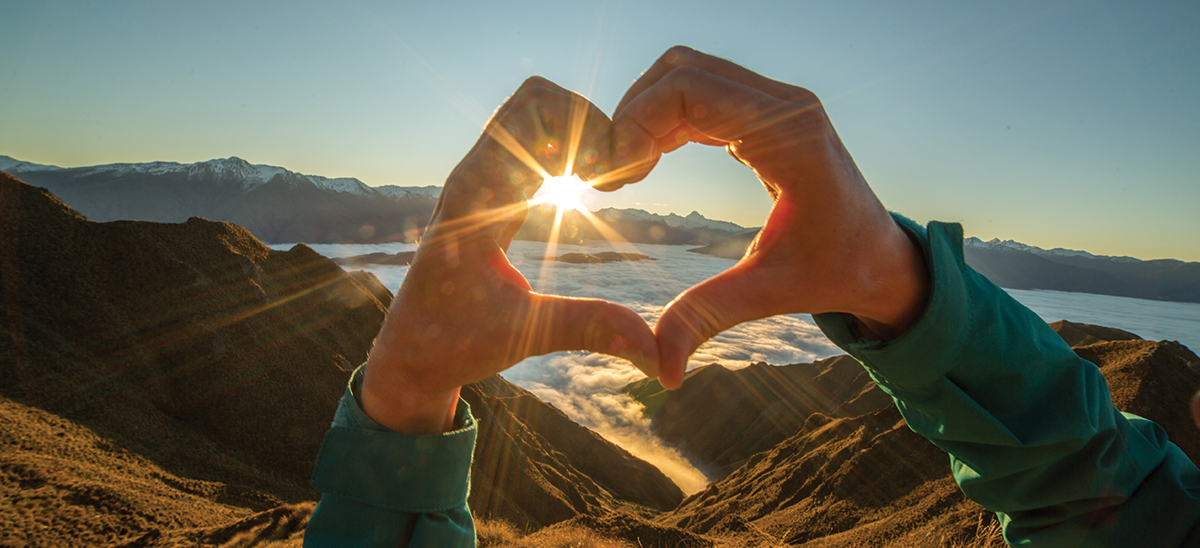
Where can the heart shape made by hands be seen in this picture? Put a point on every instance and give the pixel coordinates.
(464, 312)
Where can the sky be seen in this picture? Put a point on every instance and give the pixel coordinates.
(1055, 123)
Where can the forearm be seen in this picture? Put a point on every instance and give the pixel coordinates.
(1030, 426)
(381, 488)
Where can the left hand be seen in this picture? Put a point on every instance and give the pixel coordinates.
(464, 312)
(828, 244)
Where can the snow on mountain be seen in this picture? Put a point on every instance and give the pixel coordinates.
(400, 192)
(996, 244)
(693, 219)
(233, 169)
(13, 165)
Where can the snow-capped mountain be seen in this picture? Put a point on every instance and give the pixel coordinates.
(277, 205)
(996, 244)
(399, 192)
(693, 219)
(282, 206)
(1020, 266)
(225, 170)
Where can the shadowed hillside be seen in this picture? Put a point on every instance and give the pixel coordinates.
(720, 418)
(868, 480)
(169, 384)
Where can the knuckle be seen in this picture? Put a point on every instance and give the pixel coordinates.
(534, 82)
(679, 54)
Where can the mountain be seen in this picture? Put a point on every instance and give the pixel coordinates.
(632, 225)
(1019, 266)
(280, 206)
(535, 467)
(861, 477)
(720, 418)
(274, 204)
(170, 384)
(733, 247)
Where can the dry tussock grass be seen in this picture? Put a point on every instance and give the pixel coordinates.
(499, 534)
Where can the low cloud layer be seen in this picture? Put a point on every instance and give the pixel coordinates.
(587, 387)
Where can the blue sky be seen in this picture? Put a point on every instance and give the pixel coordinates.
(1060, 124)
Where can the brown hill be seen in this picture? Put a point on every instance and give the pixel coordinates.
(868, 480)
(191, 344)
(535, 467)
(719, 418)
(163, 382)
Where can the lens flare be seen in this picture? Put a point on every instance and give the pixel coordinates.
(566, 193)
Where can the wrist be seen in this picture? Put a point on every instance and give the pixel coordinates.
(897, 286)
(401, 406)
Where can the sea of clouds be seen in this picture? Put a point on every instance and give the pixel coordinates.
(587, 387)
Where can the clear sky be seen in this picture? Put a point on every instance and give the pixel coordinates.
(1056, 123)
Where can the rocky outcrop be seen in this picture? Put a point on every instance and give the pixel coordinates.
(599, 258)
(402, 258)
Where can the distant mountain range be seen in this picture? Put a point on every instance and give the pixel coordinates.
(281, 206)
(1020, 266)
(633, 225)
(273, 203)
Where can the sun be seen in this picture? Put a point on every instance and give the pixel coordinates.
(564, 192)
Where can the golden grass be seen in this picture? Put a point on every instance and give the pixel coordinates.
(499, 534)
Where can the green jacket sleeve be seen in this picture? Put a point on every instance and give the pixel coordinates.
(1030, 427)
(380, 488)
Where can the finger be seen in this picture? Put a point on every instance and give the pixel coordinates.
(541, 130)
(684, 56)
(577, 129)
(704, 310)
(555, 323)
(718, 108)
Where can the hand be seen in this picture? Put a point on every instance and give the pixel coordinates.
(464, 312)
(828, 244)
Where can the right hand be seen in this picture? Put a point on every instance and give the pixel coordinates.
(464, 312)
(828, 244)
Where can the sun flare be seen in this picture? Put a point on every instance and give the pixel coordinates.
(564, 192)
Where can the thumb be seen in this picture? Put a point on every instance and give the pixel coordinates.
(738, 295)
(566, 323)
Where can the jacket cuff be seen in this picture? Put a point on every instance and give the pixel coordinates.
(362, 461)
(936, 337)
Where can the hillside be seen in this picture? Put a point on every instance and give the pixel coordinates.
(864, 479)
(169, 384)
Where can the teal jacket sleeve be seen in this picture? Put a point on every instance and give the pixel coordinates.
(380, 488)
(1030, 427)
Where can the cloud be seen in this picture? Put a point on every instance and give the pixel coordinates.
(587, 387)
